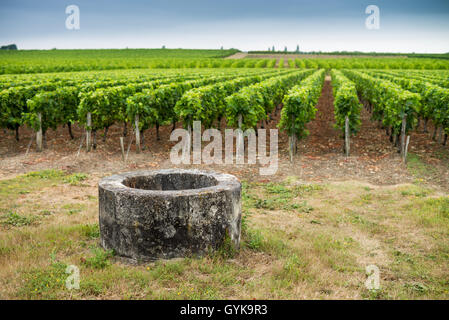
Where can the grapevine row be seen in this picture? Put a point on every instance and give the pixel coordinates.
(299, 108)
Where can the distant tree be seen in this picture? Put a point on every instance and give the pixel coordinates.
(163, 47)
(269, 48)
(221, 48)
(285, 49)
(272, 49)
(297, 48)
(9, 47)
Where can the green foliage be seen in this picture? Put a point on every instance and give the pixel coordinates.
(45, 174)
(390, 102)
(299, 105)
(435, 99)
(75, 179)
(254, 239)
(43, 283)
(208, 103)
(16, 220)
(14, 103)
(346, 102)
(254, 102)
(36, 61)
(91, 231)
(99, 260)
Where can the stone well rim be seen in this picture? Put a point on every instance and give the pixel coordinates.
(115, 182)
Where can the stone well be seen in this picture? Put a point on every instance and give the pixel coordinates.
(150, 215)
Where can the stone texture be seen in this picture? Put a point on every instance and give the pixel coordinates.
(150, 215)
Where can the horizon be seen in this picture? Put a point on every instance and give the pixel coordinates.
(405, 26)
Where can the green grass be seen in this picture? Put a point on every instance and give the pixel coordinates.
(37, 61)
(75, 179)
(17, 220)
(284, 252)
(100, 259)
(418, 167)
(281, 196)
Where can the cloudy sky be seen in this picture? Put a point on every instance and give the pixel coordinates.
(326, 25)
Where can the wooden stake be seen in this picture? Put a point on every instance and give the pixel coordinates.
(136, 122)
(129, 147)
(189, 142)
(347, 142)
(89, 131)
(240, 140)
(406, 149)
(29, 144)
(292, 140)
(39, 133)
(240, 121)
(122, 147)
(81, 145)
(404, 124)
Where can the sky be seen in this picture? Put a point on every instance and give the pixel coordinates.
(324, 25)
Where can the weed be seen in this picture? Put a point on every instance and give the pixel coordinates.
(75, 179)
(45, 174)
(99, 260)
(17, 220)
(227, 249)
(44, 283)
(91, 231)
(254, 239)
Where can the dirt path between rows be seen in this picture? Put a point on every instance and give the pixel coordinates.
(238, 55)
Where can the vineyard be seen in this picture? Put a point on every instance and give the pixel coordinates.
(363, 157)
(245, 96)
(36, 61)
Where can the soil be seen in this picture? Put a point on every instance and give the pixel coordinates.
(241, 55)
(320, 156)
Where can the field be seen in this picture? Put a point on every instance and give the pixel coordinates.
(362, 179)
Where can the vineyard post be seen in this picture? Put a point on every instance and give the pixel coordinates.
(29, 145)
(292, 139)
(189, 141)
(136, 121)
(122, 147)
(39, 133)
(347, 142)
(406, 148)
(89, 131)
(240, 142)
(81, 145)
(404, 124)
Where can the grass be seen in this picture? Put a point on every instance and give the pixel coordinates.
(419, 168)
(298, 241)
(16, 220)
(75, 179)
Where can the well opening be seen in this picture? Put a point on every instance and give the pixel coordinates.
(171, 181)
